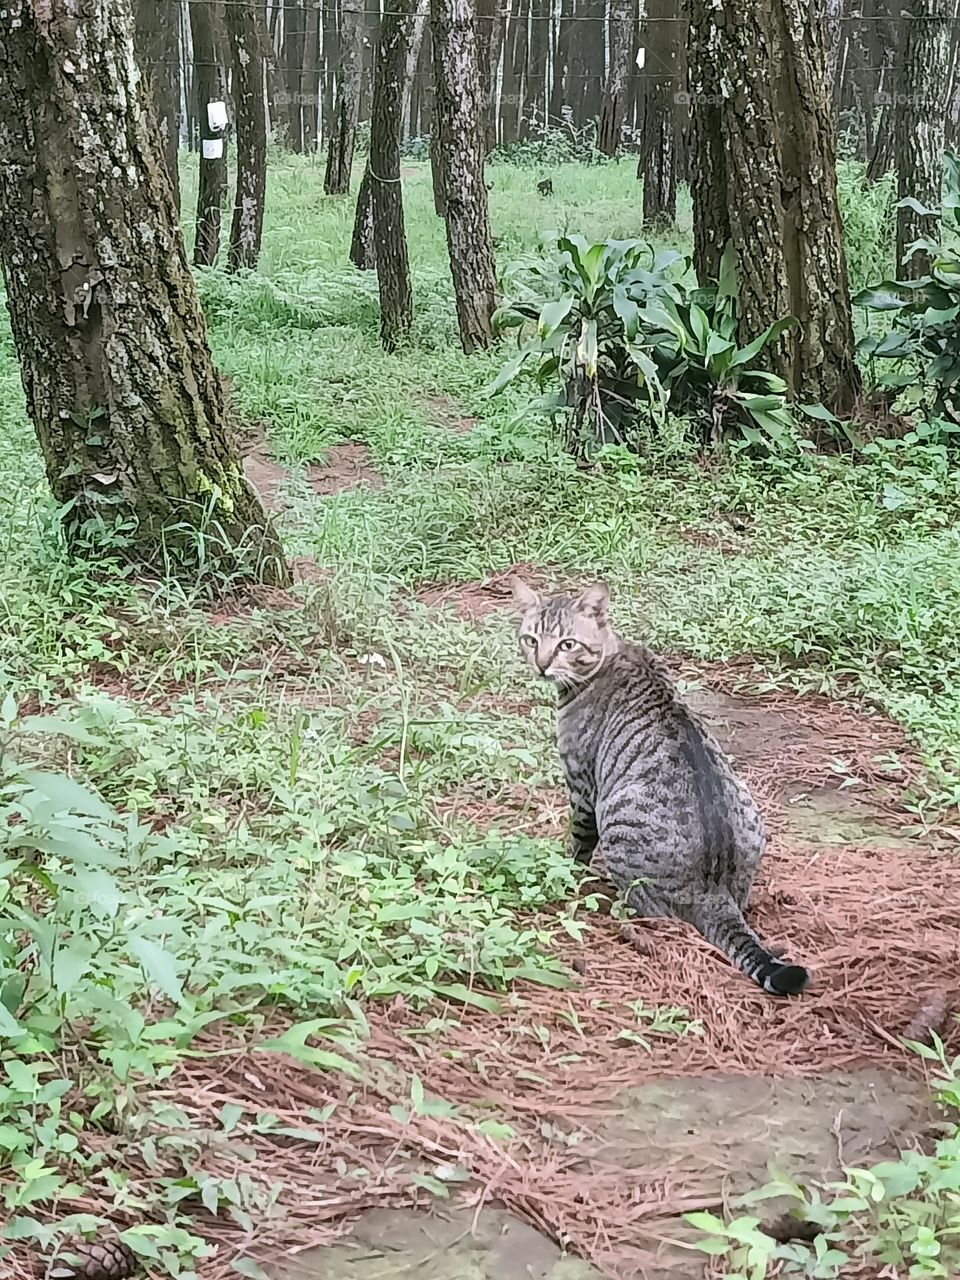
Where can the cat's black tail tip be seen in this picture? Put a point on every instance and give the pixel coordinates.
(786, 980)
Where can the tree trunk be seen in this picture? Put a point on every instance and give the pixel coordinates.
(615, 91)
(363, 252)
(309, 76)
(489, 38)
(209, 85)
(343, 136)
(920, 116)
(246, 51)
(538, 44)
(461, 170)
(436, 169)
(414, 47)
(292, 55)
(157, 35)
(662, 102)
(880, 48)
(765, 179)
(119, 381)
(268, 31)
(383, 173)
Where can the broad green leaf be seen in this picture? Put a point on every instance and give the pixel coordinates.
(463, 995)
(706, 1222)
(54, 725)
(70, 963)
(9, 1026)
(230, 1114)
(752, 349)
(542, 977)
(552, 314)
(247, 1267)
(509, 371)
(879, 299)
(67, 794)
(908, 202)
(628, 312)
(818, 411)
(700, 327)
(159, 966)
(717, 345)
(727, 283)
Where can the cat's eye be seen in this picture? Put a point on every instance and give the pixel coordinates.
(567, 645)
(528, 642)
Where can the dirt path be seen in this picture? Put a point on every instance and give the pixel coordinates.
(625, 1117)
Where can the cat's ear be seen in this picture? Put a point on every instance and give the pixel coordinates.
(595, 601)
(524, 597)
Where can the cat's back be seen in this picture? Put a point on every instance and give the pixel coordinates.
(633, 703)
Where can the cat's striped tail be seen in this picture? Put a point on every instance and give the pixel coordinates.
(725, 926)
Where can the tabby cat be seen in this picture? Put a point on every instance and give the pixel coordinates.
(680, 835)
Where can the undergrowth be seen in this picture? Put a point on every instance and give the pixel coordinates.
(237, 820)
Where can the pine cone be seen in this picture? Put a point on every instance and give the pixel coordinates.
(95, 1260)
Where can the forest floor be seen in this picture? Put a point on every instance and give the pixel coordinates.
(410, 1036)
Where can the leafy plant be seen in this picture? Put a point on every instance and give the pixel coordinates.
(626, 338)
(904, 1213)
(924, 340)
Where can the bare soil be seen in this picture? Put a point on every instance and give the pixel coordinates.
(346, 466)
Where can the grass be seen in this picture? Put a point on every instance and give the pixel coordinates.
(276, 838)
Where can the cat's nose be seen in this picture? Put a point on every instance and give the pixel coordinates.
(542, 664)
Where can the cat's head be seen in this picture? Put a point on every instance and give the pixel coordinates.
(564, 638)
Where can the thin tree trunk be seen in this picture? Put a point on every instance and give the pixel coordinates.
(615, 91)
(881, 48)
(662, 85)
(292, 56)
(489, 38)
(246, 51)
(209, 82)
(119, 381)
(469, 241)
(383, 173)
(158, 53)
(767, 183)
(343, 136)
(268, 28)
(363, 251)
(921, 115)
(414, 47)
(309, 76)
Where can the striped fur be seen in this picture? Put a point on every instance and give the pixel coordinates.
(680, 835)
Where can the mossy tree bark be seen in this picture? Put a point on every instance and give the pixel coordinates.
(209, 42)
(246, 53)
(460, 139)
(157, 46)
(663, 99)
(920, 123)
(383, 174)
(343, 137)
(613, 106)
(116, 367)
(765, 180)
